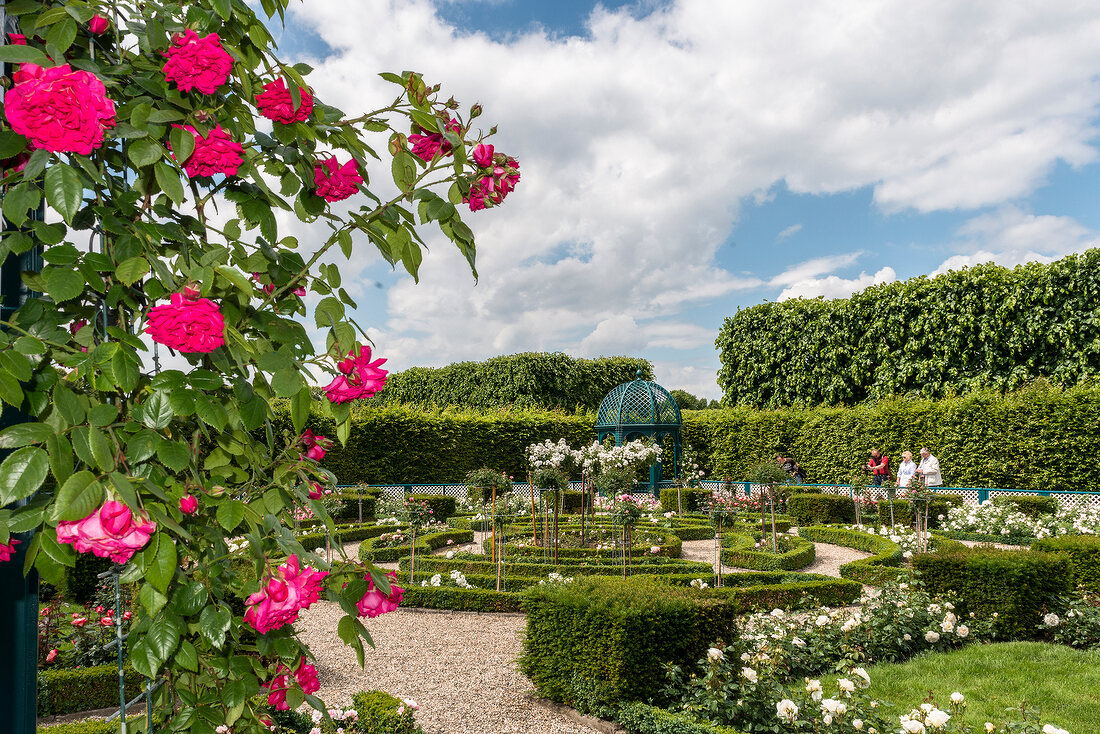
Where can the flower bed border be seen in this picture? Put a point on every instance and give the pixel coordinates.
(738, 550)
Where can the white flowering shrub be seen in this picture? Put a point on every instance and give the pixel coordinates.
(1005, 520)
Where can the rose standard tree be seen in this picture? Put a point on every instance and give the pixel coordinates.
(166, 140)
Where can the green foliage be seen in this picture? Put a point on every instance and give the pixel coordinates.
(641, 718)
(572, 501)
(463, 600)
(549, 478)
(615, 635)
(740, 551)
(81, 581)
(903, 510)
(70, 690)
(441, 505)
(1053, 435)
(1083, 553)
(91, 726)
(481, 483)
(820, 509)
(875, 570)
(767, 472)
(1016, 585)
(687, 401)
(529, 380)
(694, 499)
(1029, 504)
(316, 540)
(378, 714)
(984, 327)
(425, 543)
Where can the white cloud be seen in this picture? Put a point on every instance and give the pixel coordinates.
(641, 139)
(788, 232)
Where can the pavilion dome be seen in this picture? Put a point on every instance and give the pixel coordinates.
(638, 404)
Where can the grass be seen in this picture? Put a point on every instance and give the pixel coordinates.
(1062, 682)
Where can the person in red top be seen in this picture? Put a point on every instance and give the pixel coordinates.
(879, 466)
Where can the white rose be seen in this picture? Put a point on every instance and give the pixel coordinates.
(937, 718)
(957, 697)
(787, 710)
(932, 636)
(714, 654)
(821, 620)
(798, 642)
(749, 674)
(1051, 620)
(989, 727)
(862, 673)
(962, 630)
(846, 686)
(857, 724)
(907, 637)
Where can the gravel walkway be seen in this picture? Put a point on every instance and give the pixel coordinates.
(828, 561)
(458, 666)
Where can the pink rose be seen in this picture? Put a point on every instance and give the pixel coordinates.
(425, 147)
(315, 445)
(80, 621)
(277, 688)
(98, 25)
(361, 378)
(315, 452)
(336, 182)
(197, 63)
(213, 154)
(490, 190)
(276, 104)
(17, 39)
(60, 110)
(8, 550)
(316, 491)
(307, 677)
(126, 616)
(99, 610)
(51, 656)
(106, 621)
(287, 592)
(375, 603)
(187, 325)
(483, 155)
(189, 504)
(109, 532)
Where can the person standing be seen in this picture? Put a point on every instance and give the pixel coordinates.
(879, 466)
(930, 469)
(907, 469)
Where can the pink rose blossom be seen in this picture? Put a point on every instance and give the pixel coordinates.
(106, 621)
(277, 688)
(268, 289)
(275, 103)
(490, 190)
(17, 39)
(189, 504)
(111, 531)
(216, 153)
(8, 550)
(52, 655)
(316, 491)
(336, 182)
(425, 147)
(99, 610)
(307, 677)
(287, 592)
(126, 616)
(60, 110)
(98, 25)
(80, 621)
(360, 378)
(187, 324)
(483, 155)
(197, 63)
(374, 602)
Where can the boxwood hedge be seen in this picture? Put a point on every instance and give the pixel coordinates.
(1083, 553)
(425, 543)
(740, 551)
(67, 690)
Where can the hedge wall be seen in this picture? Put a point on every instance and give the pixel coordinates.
(65, 690)
(1083, 552)
(528, 380)
(976, 328)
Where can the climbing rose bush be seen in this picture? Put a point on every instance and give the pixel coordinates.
(172, 142)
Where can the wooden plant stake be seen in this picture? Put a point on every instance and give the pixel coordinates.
(494, 521)
(775, 535)
(534, 517)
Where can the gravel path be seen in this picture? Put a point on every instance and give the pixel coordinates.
(458, 666)
(828, 561)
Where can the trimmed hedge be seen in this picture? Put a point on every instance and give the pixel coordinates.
(424, 544)
(528, 568)
(81, 580)
(820, 509)
(1016, 585)
(347, 534)
(1021, 540)
(462, 600)
(904, 515)
(441, 505)
(1029, 504)
(694, 499)
(641, 718)
(1083, 552)
(92, 726)
(670, 547)
(350, 511)
(877, 569)
(68, 690)
(740, 551)
(614, 636)
(377, 712)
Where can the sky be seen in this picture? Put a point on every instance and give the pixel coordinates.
(682, 159)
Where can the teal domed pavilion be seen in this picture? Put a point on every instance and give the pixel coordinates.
(641, 409)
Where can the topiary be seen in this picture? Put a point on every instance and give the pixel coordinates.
(1030, 505)
(481, 482)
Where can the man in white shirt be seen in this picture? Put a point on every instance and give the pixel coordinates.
(930, 469)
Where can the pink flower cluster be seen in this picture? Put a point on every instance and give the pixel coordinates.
(276, 104)
(498, 176)
(215, 153)
(336, 182)
(111, 531)
(306, 675)
(315, 445)
(188, 324)
(374, 602)
(7, 550)
(58, 109)
(425, 147)
(288, 591)
(197, 63)
(359, 378)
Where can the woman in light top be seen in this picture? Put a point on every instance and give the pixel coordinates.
(907, 469)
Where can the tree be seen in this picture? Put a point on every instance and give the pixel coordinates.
(178, 476)
(687, 401)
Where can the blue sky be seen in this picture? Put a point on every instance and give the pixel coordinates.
(682, 159)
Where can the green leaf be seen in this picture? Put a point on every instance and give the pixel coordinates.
(169, 181)
(64, 192)
(78, 497)
(230, 514)
(214, 623)
(144, 152)
(189, 599)
(103, 414)
(253, 412)
(62, 35)
(174, 454)
(287, 383)
(62, 554)
(299, 409)
(23, 54)
(68, 404)
(11, 144)
(223, 8)
(157, 411)
(23, 434)
(404, 170)
(19, 200)
(22, 473)
(187, 657)
(102, 449)
(151, 599)
(211, 411)
(162, 567)
(11, 392)
(145, 659)
(62, 283)
(131, 270)
(61, 457)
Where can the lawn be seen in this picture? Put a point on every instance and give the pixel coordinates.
(1062, 682)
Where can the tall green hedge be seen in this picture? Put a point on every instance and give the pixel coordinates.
(984, 327)
(528, 380)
